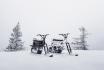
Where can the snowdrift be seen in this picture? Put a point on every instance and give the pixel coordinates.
(25, 60)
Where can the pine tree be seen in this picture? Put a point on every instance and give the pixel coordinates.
(15, 42)
(81, 41)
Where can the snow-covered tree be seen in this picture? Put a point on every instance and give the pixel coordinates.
(81, 42)
(15, 42)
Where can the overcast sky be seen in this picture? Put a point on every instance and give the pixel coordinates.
(53, 17)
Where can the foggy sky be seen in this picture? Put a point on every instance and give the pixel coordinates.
(53, 17)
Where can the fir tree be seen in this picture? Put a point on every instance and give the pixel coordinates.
(81, 41)
(15, 42)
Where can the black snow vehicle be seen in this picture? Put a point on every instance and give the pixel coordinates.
(39, 45)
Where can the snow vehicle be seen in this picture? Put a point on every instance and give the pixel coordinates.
(39, 45)
(57, 45)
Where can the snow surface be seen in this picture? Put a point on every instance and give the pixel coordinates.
(24, 60)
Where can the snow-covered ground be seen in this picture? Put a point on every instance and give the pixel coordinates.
(24, 60)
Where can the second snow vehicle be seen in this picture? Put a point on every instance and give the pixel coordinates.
(39, 45)
(58, 45)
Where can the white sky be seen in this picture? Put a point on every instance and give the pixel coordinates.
(53, 17)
